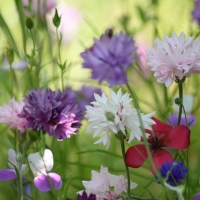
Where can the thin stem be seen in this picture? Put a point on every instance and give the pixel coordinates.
(180, 88)
(127, 169)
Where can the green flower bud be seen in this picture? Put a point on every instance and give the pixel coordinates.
(110, 116)
(19, 157)
(56, 19)
(29, 23)
(178, 101)
(10, 55)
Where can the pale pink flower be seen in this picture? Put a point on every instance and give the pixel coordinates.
(174, 58)
(9, 115)
(102, 182)
(40, 7)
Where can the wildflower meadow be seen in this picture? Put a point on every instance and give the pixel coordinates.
(99, 100)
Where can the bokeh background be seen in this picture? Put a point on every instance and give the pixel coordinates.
(81, 22)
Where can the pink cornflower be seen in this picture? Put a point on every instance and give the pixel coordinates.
(175, 58)
(9, 115)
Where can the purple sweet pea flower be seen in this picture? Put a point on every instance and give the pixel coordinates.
(188, 102)
(40, 167)
(19, 66)
(110, 57)
(9, 174)
(196, 12)
(56, 113)
(197, 196)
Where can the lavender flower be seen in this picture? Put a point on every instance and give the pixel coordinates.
(196, 12)
(86, 95)
(110, 57)
(197, 196)
(173, 172)
(56, 113)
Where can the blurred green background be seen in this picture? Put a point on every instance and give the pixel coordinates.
(144, 20)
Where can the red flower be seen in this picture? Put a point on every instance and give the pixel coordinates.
(162, 136)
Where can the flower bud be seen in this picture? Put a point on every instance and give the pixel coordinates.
(110, 116)
(19, 157)
(56, 19)
(178, 101)
(10, 55)
(29, 23)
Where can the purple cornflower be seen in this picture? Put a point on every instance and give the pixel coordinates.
(173, 172)
(86, 95)
(196, 12)
(110, 57)
(56, 113)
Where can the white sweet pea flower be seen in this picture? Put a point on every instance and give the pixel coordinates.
(9, 174)
(40, 167)
(122, 114)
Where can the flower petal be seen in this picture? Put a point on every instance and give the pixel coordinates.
(160, 127)
(56, 180)
(7, 174)
(159, 158)
(178, 138)
(136, 155)
(43, 184)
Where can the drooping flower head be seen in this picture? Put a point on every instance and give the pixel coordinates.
(102, 182)
(9, 174)
(196, 12)
(174, 58)
(163, 136)
(124, 116)
(40, 167)
(173, 172)
(40, 7)
(188, 102)
(110, 57)
(56, 113)
(9, 115)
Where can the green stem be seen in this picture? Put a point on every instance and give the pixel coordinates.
(127, 170)
(180, 88)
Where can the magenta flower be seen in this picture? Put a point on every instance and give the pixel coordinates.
(174, 58)
(40, 167)
(9, 174)
(9, 115)
(56, 113)
(196, 12)
(110, 57)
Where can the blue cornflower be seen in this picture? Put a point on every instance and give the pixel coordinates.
(109, 58)
(173, 172)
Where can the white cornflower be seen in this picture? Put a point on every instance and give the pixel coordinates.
(122, 114)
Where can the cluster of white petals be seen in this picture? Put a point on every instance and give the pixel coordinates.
(102, 182)
(174, 58)
(124, 116)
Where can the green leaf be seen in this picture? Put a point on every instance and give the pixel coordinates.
(66, 187)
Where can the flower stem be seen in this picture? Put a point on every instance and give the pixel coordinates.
(180, 88)
(127, 169)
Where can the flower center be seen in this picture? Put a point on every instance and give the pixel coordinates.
(156, 144)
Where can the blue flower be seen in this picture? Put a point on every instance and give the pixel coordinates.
(110, 57)
(174, 172)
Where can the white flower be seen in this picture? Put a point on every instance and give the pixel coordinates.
(105, 185)
(175, 57)
(124, 116)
